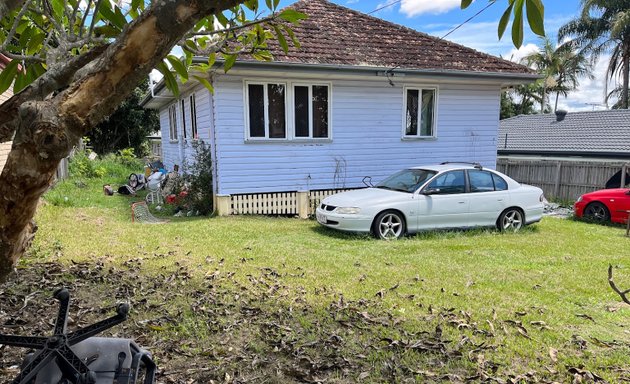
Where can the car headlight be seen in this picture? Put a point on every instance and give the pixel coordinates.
(348, 210)
(579, 199)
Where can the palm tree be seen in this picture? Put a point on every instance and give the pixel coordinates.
(604, 27)
(561, 67)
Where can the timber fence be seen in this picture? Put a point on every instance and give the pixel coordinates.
(563, 180)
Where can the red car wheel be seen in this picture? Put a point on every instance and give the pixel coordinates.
(597, 211)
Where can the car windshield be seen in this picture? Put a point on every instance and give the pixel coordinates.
(407, 180)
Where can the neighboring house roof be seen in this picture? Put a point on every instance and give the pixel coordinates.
(337, 35)
(597, 133)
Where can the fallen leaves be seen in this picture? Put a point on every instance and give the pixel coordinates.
(222, 327)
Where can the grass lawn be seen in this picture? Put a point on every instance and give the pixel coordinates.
(263, 299)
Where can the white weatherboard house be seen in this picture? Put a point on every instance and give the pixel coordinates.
(361, 97)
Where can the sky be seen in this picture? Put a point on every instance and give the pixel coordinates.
(438, 17)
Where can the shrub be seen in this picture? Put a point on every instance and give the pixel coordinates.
(199, 180)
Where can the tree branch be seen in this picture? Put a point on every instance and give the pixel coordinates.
(85, 16)
(14, 56)
(55, 78)
(7, 6)
(93, 23)
(233, 29)
(622, 294)
(142, 45)
(16, 22)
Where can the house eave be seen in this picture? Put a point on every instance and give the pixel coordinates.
(503, 78)
(511, 78)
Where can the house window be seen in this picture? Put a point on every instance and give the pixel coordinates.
(172, 122)
(420, 109)
(184, 118)
(311, 111)
(266, 111)
(193, 117)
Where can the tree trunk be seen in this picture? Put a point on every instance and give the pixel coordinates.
(555, 108)
(46, 131)
(38, 147)
(542, 100)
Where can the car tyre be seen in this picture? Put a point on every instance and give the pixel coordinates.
(511, 220)
(597, 211)
(389, 225)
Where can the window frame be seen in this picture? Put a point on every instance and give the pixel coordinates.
(194, 129)
(182, 103)
(172, 122)
(289, 111)
(310, 86)
(265, 85)
(420, 88)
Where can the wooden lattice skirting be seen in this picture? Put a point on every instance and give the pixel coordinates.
(302, 203)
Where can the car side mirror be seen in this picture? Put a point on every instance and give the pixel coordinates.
(431, 191)
(628, 192)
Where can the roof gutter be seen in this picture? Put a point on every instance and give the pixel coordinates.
(616, 155)
(276, 65)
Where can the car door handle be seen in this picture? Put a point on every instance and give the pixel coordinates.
(461, 202)
(499, 199)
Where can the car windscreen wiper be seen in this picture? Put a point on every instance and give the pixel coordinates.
(392, 189)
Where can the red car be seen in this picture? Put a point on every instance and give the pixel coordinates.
(604, 205)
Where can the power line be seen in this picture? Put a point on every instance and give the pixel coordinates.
(469, 19)
(385, 6)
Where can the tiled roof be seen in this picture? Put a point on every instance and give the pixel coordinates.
(336, 35)
(602, 132)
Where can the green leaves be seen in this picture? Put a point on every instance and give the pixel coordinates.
(292, 16)
(466, 3)
(504, 19)
(7, 75)
(535, 18)
(517, 24)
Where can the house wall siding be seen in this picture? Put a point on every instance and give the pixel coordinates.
(181, 152)
(366, 136)
(5, 148)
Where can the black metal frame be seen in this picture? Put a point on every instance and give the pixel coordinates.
(57, 347)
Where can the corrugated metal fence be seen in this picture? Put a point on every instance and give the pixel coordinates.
(562, 179)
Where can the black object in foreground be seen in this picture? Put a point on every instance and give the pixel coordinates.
(78, 357)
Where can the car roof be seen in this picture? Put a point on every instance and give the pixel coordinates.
(446, 167)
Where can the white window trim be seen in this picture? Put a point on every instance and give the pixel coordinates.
(194, 127)
(310, 110)
(182, 107)
(420, 88)
(265, 85)
(289, 112)
(172, 123)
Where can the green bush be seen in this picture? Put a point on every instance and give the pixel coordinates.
(198, 180)
(109, 166)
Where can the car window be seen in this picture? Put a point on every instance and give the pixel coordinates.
(449, 182)
(499, 183)
(480, 181)
(407, 180)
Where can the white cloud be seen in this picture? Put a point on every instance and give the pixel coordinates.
(590, 93)
(482, 36)
(435, 7)
(517, 54)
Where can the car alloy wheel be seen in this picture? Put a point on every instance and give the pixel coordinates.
(596, 211)
(389, 225)
(511, 220)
